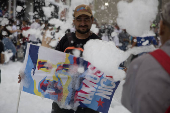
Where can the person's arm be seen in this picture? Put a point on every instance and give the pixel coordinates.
(128, 87)
(2, 58)
(46, 41)
(126, 39)
(134, 42)
(59, 47)
(19, 78)
(116, 41)
(13, 31)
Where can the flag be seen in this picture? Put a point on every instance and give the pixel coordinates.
(68, 80)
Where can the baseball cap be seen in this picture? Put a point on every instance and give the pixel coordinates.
(166, 12)
(82, 9)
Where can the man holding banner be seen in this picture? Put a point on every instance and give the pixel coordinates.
(83, 20)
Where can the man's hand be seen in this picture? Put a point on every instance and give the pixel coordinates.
(19, 30)
(19, 78)
(125, 69)
(46, 41)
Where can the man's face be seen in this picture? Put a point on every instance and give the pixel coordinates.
(23, 23)
(37, 20)
(162, 32)
(83, 23)
(15, 23)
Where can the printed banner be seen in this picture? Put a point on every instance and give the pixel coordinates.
(68, 80)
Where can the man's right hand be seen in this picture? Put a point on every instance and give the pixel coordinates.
(19, 78)
(46, 41)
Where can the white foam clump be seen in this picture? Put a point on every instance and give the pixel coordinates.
(113, 34)
(137, 16)
(137, 50)
(76, 53)
(4, 21)
(145, 43)
(19, 8)
(63, 26)
(102, 7)
(48, 34)
(148, 33)
(1, 18)
(42, 26)
(107, 57)
(55, 41)
(35, 32)
(31, 13)
(80, 69)
(9, 28)
(25, 6)
(75, 3)
(8, 54)
(4, 33)
(56, 22)
(94, 29)
(48, 10)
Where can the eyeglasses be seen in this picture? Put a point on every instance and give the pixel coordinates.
(85, 20)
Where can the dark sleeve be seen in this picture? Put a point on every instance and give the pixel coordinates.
(62, 43)
(94, 36)
(1, 47)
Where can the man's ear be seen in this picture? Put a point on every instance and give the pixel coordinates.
(92, 19)
(162, 28)
(74, 22)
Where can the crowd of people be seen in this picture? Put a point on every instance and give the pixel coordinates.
(122, 39)
(14, 41)
(147, 82)
(11, 35)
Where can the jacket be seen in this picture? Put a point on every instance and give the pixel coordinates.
(147, 85)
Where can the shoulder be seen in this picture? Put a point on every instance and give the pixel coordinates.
(141, 69)
(142, 78)
(143, 62)
(144, 70)
(66, 36)
(94, 36)
(62, 43)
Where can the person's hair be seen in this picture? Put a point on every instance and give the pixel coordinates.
(46, 22)
(166, 14)
(26, 21)
(11, 21)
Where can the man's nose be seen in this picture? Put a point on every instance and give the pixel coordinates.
(83, 22)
